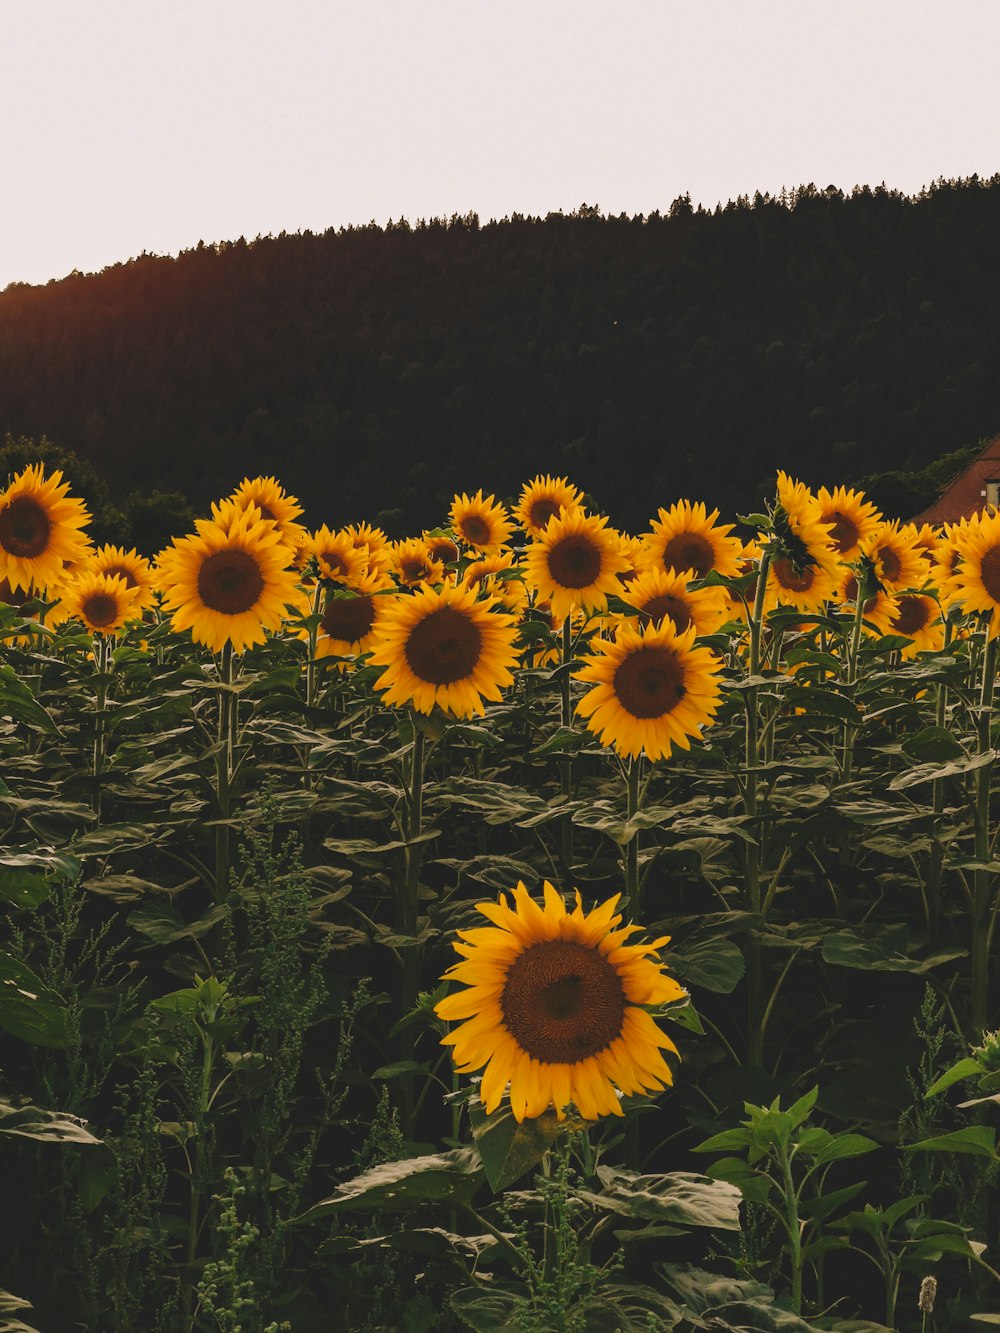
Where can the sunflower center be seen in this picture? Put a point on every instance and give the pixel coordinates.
(230, 582)
(444, 647)
(666, 605)
(334, 561)
(442, 549)
(989, 572)
(574, 562)
(100, 609)
(649, 682)
(412, 571)
(912, 615)
(890, 562)
(689, 550)
(119, 571)
(24, 528)
(542, 510)
(795, 580)
(348, 618)
(475, 529)
(563, 1002)
(843, 531)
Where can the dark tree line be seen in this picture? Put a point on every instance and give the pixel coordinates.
(378, 370)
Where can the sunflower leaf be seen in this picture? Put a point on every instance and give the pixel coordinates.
(28, 1009)
(450, 1178)
(679, 1196)
(31, 1122)
(509, 1149)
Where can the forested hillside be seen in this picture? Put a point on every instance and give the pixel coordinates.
(379, 370)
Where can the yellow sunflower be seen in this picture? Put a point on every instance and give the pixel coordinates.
(228, 586)
(879, 609)
(337, 558)
(104, 602)
(414, 564)
(499, 577)
(898, 563)
(575, 564)
(554, 1007)
(975, 585)
(444, 647)
(274, 503)
(134, 568)
(919, 618)
(637, 556)
(656, 594)
(849, 517)
(373, 543)
(544, 498)
(482, 523)
(802, 534)
(441, 547)
(687, 537)
(653, 689)
(351, 619)
(948, 555)
(807, 588)
(924, 538)
(40, 529)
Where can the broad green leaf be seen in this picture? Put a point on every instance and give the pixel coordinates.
(442, 1178)
(841, 1146)
(679, 1196)
(932, 745)
(488, 1311)
(799, 1111)
(823, 1205)
(509, 1149)
(17, 702)
(28, 1009)
(726, 1141)
(709, 964)
(31, 1122)
(966, 1068)
(976, 1140)
(932, 772)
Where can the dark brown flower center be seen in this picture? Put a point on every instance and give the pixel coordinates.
(443, 549)
(542, 510)
(444, 647)
(666, 605)
(649, 682)
(792, 579)
(563, 1002)
(689, 550)
(574, 561)
(912, 614)
(99, 609)
(24, 528)
(413, 570)
(843, 530)
(230, 582)
(989, 572)
(334, 561)
(348, 618)
(119, 571)
(890, 562)
(475, 529)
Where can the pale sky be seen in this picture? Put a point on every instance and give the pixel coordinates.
(132, 125)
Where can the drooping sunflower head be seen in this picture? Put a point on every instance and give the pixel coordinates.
(40, 529)
(134, 568)
(274, 502)
(413, 563)
(918, 617)
(801, 535)
(849, 517)
(554, 1007)
(687, 537)
(104, 602)
(480, 522)
(545, 498)
(898, 562)
(658, 594)
(653, 689)
(444, 648)
(228, 584)
(575, 564)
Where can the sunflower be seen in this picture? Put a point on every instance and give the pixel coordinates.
(879, 609)
(444, 647)
(40, 529)
(274, 503)
(497, 576)
(807, 587)
(575, 563)
(544, 498)
(441, 546)
(975, 585)
(104, 602)
(554, 1007)
(657, 594)
(801, 534)
(373, 544)
(228, 586)
(337, 558)
(948, 555)
(925, 538)
(482, 523)
(134, 568)
(637, 556)
(413, 563)
(848, 516)
(898, 563)
(686, 537)
(653, 689)
(918, 617)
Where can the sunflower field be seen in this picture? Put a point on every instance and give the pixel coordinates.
(522, 925)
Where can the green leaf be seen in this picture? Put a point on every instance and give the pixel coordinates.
(966, 1068)
(509, 1149)
(31, 1122)
(933, 745)
(17, 702)
(679, 1196)
(443, 1178)
(841, 1146)
(879, 948)
(724, 1142)
(488, 1311)
(976, 1140)
(709, 964)
(28, 1009)
(823, 1205)
(932, 772)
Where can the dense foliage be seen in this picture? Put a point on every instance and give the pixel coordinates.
(692, 353)
(230, 882)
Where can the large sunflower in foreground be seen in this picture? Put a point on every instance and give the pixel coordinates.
(480, 522)
(575, 563)
(975, 585)
(848, 517)
(40, 529)
(444, 647)
(687, 537)
(653, 689)
(104, 602)
(554, 1007)
(544, 498)
(229, 585)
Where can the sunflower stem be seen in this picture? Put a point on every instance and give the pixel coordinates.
(102, 663)
(408, 918)
(752, 954)
(566, 720)
(633, 804)
(847, 757)
(982, 879)
(935, 870)
(224, 770)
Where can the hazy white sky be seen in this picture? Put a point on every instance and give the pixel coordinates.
(131, 125)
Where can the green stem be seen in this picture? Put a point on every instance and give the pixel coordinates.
(408, 920)
(847, 760)
(935, 869)
(102, 661)
(752, 953)
(982, 879)
(631, 906)
(566, 720)
(224, 771)
(794, 1231)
